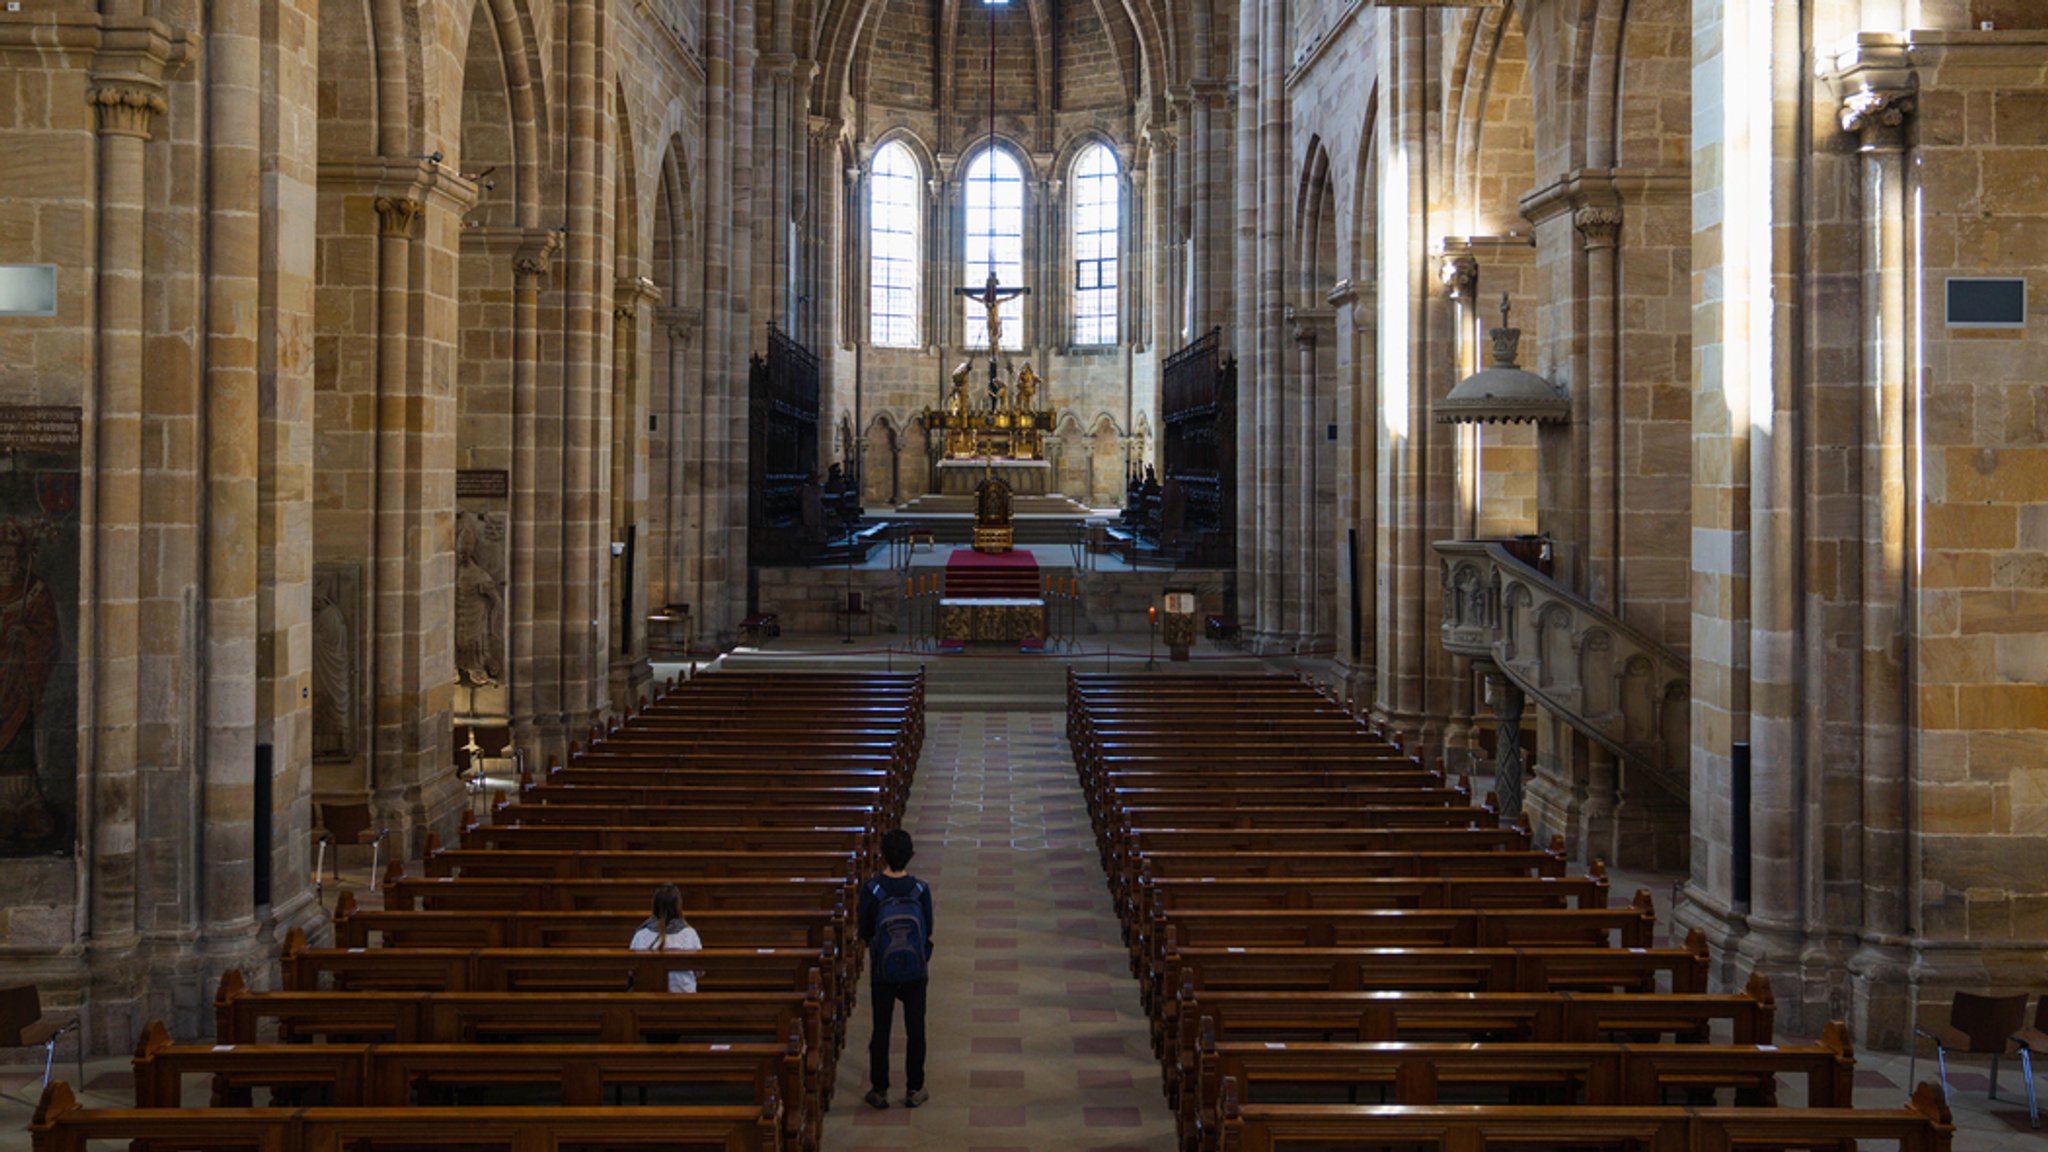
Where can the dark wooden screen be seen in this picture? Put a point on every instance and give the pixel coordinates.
(782, 449)
(1196, 517)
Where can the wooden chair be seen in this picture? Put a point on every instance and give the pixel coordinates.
(22, 1025)
(347, 824)
(1981, 1024)
(2030, 1041)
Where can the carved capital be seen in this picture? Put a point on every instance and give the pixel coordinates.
(126, 110)
(1459, 274)
(1878, 117)
(1600, 225)
(395, 215)
(533, 265)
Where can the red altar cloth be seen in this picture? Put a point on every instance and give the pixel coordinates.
(992, 575)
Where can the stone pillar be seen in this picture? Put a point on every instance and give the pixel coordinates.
(234, 438)
(393, 683)
(633, 303)
(126, 106)
(1458, 272)
(1244, 287)
(1593, 832)
(535, 711)
(1891, 899)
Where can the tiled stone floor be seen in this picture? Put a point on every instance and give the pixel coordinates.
(1036, 1037)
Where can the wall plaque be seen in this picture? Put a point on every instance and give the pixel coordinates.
(482, 484)
(1986, 302)
(28, 289)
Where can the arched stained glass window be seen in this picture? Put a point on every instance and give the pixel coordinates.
(995, 241)
(1096, 213)
(893, 213)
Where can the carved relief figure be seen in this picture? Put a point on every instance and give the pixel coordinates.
(334, 660)
(479, 598)
(39, 568)
(29, 644)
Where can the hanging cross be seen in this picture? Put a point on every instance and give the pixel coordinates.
(992, 296)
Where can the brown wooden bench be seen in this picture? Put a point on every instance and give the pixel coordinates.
(1924, 1125)
(357, 927)
(861, 840)
(514, 893)
(405, 1075)
(242, 1017)
(1195, 971)
(674, 865)
(1596, 1075)
(1526, 1017)
(60, 1125)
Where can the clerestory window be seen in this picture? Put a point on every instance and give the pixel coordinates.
(1097, 222)
(995, 240)
(893, 238)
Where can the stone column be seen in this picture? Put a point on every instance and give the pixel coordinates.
(1458, 272)
(126, 107)
(1891, 900)
(390, 575)
(633, 301)
(1600, 227)
(1244, 282)
(234, 439)
(535, 712)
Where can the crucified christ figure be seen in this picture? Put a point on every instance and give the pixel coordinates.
(992, 297)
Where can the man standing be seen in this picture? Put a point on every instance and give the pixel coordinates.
(896, 925)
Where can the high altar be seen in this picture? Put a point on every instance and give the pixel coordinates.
(1003, 438)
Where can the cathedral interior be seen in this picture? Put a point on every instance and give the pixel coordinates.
(379, 373)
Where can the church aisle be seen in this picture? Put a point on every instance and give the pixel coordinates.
(1037, 1040)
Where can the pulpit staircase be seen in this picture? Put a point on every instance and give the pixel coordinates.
(1621, 689)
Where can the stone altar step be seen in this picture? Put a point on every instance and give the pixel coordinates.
(942, 504)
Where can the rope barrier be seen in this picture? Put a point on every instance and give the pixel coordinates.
(1104, 653)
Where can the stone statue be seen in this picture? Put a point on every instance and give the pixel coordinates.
(334, 661)
(956, 405)
(479, 601)
(1027, 389)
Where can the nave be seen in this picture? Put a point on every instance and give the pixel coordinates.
(1039, 1038)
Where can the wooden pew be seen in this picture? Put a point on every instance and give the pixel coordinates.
(473, 1017)
(404, 1075)
(510, 893)
(1197, 971)
(676, 865)
(1527, 1017)
(358, 927)
(1924, 1125)
(60, 1125)
(861, 840)
(556, 970)
(1599, 1075)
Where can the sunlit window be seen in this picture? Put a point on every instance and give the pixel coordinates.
(995, 240)
(1096, 222)
(893, 209)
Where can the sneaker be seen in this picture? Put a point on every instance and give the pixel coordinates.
(876, 1099)
(916, 1097)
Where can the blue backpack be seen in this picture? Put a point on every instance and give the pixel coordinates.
(901, 936)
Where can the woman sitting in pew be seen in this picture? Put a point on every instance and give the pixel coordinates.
(667, 931)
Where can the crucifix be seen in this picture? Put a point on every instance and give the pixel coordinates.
(992, 296)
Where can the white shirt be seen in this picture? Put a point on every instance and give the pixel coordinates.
(647, 940)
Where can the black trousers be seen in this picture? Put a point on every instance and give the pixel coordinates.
(885, 996)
